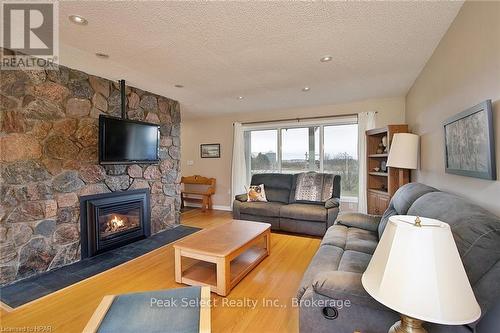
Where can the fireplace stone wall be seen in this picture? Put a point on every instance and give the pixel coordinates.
(48, 159)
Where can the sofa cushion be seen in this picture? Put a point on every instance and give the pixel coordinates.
(344, 286)
(359, 220)
(336, 235)
(354, 261)
(353, 239)
(302, 227)
(361, 240)
(271, 209)
(402, 200)
(326, 259)
(277, 194)
(277, 186)
(300, 211)
(475, 230)
(490, 322)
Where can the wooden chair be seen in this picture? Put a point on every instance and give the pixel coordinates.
(202, 196)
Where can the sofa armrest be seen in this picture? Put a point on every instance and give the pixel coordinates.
(332, 203)
(345, 286)
(359, 220)
(236, 209)
(241, 197)
(331, 216)
(351, 317)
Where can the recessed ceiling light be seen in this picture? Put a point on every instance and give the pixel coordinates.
(178, 86)
(240, 97)
(77, 19)
(306, 89)
(102, 55)
(326, 59)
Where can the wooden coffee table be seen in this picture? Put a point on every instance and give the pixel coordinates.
(220, 257)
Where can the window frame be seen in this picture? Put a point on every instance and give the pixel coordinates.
(280, 125)
(280, 143)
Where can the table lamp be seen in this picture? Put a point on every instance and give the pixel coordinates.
(416, 270)
(403, 154)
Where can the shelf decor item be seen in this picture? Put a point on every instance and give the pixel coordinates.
(383, 166)
(380, 149)
(210, 150)
(470, 145)
(384, 143)
(416, 270)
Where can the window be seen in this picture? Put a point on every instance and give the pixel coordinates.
(300, 149)
(324, 147)
(263, 146)
(341, 156)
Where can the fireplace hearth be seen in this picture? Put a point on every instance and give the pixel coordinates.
(112, 220)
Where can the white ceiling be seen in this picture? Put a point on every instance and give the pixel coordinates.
(265, 51)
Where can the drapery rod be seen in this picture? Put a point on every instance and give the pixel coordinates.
(301, 119)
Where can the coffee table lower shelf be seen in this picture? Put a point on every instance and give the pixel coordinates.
(205, 273)
(221, 256)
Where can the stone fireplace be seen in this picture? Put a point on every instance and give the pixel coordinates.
(49, 160)
(110, 220)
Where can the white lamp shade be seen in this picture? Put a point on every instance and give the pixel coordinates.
(418, 272)
(403, 151)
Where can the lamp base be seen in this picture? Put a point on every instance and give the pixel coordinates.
(408, 325)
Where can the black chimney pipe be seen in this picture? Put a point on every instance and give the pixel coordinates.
(122, 98)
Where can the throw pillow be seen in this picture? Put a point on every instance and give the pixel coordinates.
(256, 193)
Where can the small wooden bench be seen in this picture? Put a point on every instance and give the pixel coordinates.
(192, 193)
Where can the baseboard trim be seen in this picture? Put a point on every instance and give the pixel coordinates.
(216, 207)
(5, 307)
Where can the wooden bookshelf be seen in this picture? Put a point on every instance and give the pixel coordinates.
(380, 174)
(378, 155)
(381, 186)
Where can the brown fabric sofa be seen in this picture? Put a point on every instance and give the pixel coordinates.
(283, 212)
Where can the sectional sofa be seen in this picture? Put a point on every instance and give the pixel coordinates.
(332, 298)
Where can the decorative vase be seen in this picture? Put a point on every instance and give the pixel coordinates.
(383, 166)
(380, 148)
(384, 143)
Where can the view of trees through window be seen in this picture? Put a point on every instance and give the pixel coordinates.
(323, 148)
(264, 151)
(341, 156)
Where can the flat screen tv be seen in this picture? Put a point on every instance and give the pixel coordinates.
(127, 141)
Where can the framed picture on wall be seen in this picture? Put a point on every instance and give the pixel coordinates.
(210, 150)
(469, 143)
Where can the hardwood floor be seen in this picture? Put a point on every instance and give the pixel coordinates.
(275, 279)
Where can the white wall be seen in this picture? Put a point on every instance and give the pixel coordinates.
(196, 131)
(463, 71)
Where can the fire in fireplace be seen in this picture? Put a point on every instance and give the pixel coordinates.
(111, 225)
(115, 223)
(113, 219)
